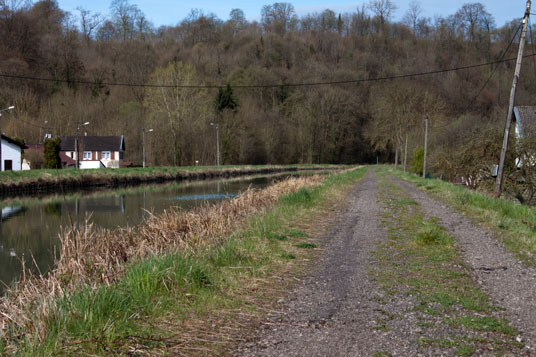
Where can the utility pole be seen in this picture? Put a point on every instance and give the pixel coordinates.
(500, 173)
(425, 147)
(406, 152)
(76, 143)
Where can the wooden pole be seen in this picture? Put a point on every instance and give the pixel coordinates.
(500, 174)
(425, 147)
(406, 153)
(396, 155)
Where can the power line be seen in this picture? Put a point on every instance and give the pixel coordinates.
(497, 67)
(254, 86)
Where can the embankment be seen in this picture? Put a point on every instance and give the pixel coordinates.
(165, 286)
(60, 181)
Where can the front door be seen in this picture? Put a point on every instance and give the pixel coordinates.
(8, 165)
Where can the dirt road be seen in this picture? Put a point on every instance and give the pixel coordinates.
(376, 291)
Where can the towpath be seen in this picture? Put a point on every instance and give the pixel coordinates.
(376, 291)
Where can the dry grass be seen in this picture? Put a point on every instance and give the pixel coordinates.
(95, 257)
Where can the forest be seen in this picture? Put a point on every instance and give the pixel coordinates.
(321, 88)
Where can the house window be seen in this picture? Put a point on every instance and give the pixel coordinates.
(106, 155)
(87, 155)
(120, 155)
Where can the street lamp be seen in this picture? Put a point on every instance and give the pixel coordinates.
(143, 143)
(1, 162)
(76, 143)
(5, 110)
(217, 142)
(40, 132)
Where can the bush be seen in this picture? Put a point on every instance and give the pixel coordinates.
(418, 161)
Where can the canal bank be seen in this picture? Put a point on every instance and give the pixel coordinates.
(30, 226)
(202, 265)
(36, 182)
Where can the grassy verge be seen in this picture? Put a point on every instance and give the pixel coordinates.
(179, 297)
(43, 175)
(39, 181)
(515, 223)
(419, 262)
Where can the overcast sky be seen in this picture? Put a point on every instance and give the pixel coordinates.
(171, 12)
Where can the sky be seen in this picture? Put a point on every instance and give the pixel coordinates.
(171, 12)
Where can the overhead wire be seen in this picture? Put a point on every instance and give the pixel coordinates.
(495, 70)
(254, 86)
(496, 67)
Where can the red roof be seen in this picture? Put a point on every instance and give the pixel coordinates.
(66, 160)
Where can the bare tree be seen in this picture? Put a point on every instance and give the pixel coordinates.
(89, 22)
(237, 19)
(124, 15)
(383, 9)
(473, 19)
(279, 17)
(413, 14)
(174, 104)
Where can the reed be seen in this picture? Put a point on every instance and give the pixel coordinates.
(92, 259)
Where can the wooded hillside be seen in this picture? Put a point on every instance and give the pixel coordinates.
(122, 75)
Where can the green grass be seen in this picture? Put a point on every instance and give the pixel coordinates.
(515, 222)
(306, 245)
(419, 259)
(178, 287)
(47, 174)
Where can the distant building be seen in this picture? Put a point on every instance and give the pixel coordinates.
(10, 154)
(95, 151)
(525, 119)
(525, 126)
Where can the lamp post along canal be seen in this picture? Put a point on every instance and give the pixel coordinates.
(143, 144)
(217, 126)
(76, 143)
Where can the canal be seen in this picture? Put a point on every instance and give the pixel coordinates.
(30, 227)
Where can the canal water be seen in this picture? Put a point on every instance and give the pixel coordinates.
(30, 227)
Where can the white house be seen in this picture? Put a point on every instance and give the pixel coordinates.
(10, 154)
(95, 151)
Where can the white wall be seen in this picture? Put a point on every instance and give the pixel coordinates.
(11, 152)
(86, 164)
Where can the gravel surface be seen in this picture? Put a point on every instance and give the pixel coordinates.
(510, 283)
(338, 309)
(334, 311)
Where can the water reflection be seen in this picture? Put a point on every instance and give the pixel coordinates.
(31, 228)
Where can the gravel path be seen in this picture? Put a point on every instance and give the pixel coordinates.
(508, 282)
(338, 309)
(334, 311)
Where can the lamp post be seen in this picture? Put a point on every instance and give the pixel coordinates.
(143, 143)
(1, 162)
(217, 142)
(40, 132)
(76, 143)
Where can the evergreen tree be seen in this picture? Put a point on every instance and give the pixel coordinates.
(226, 100)
(52, 153)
